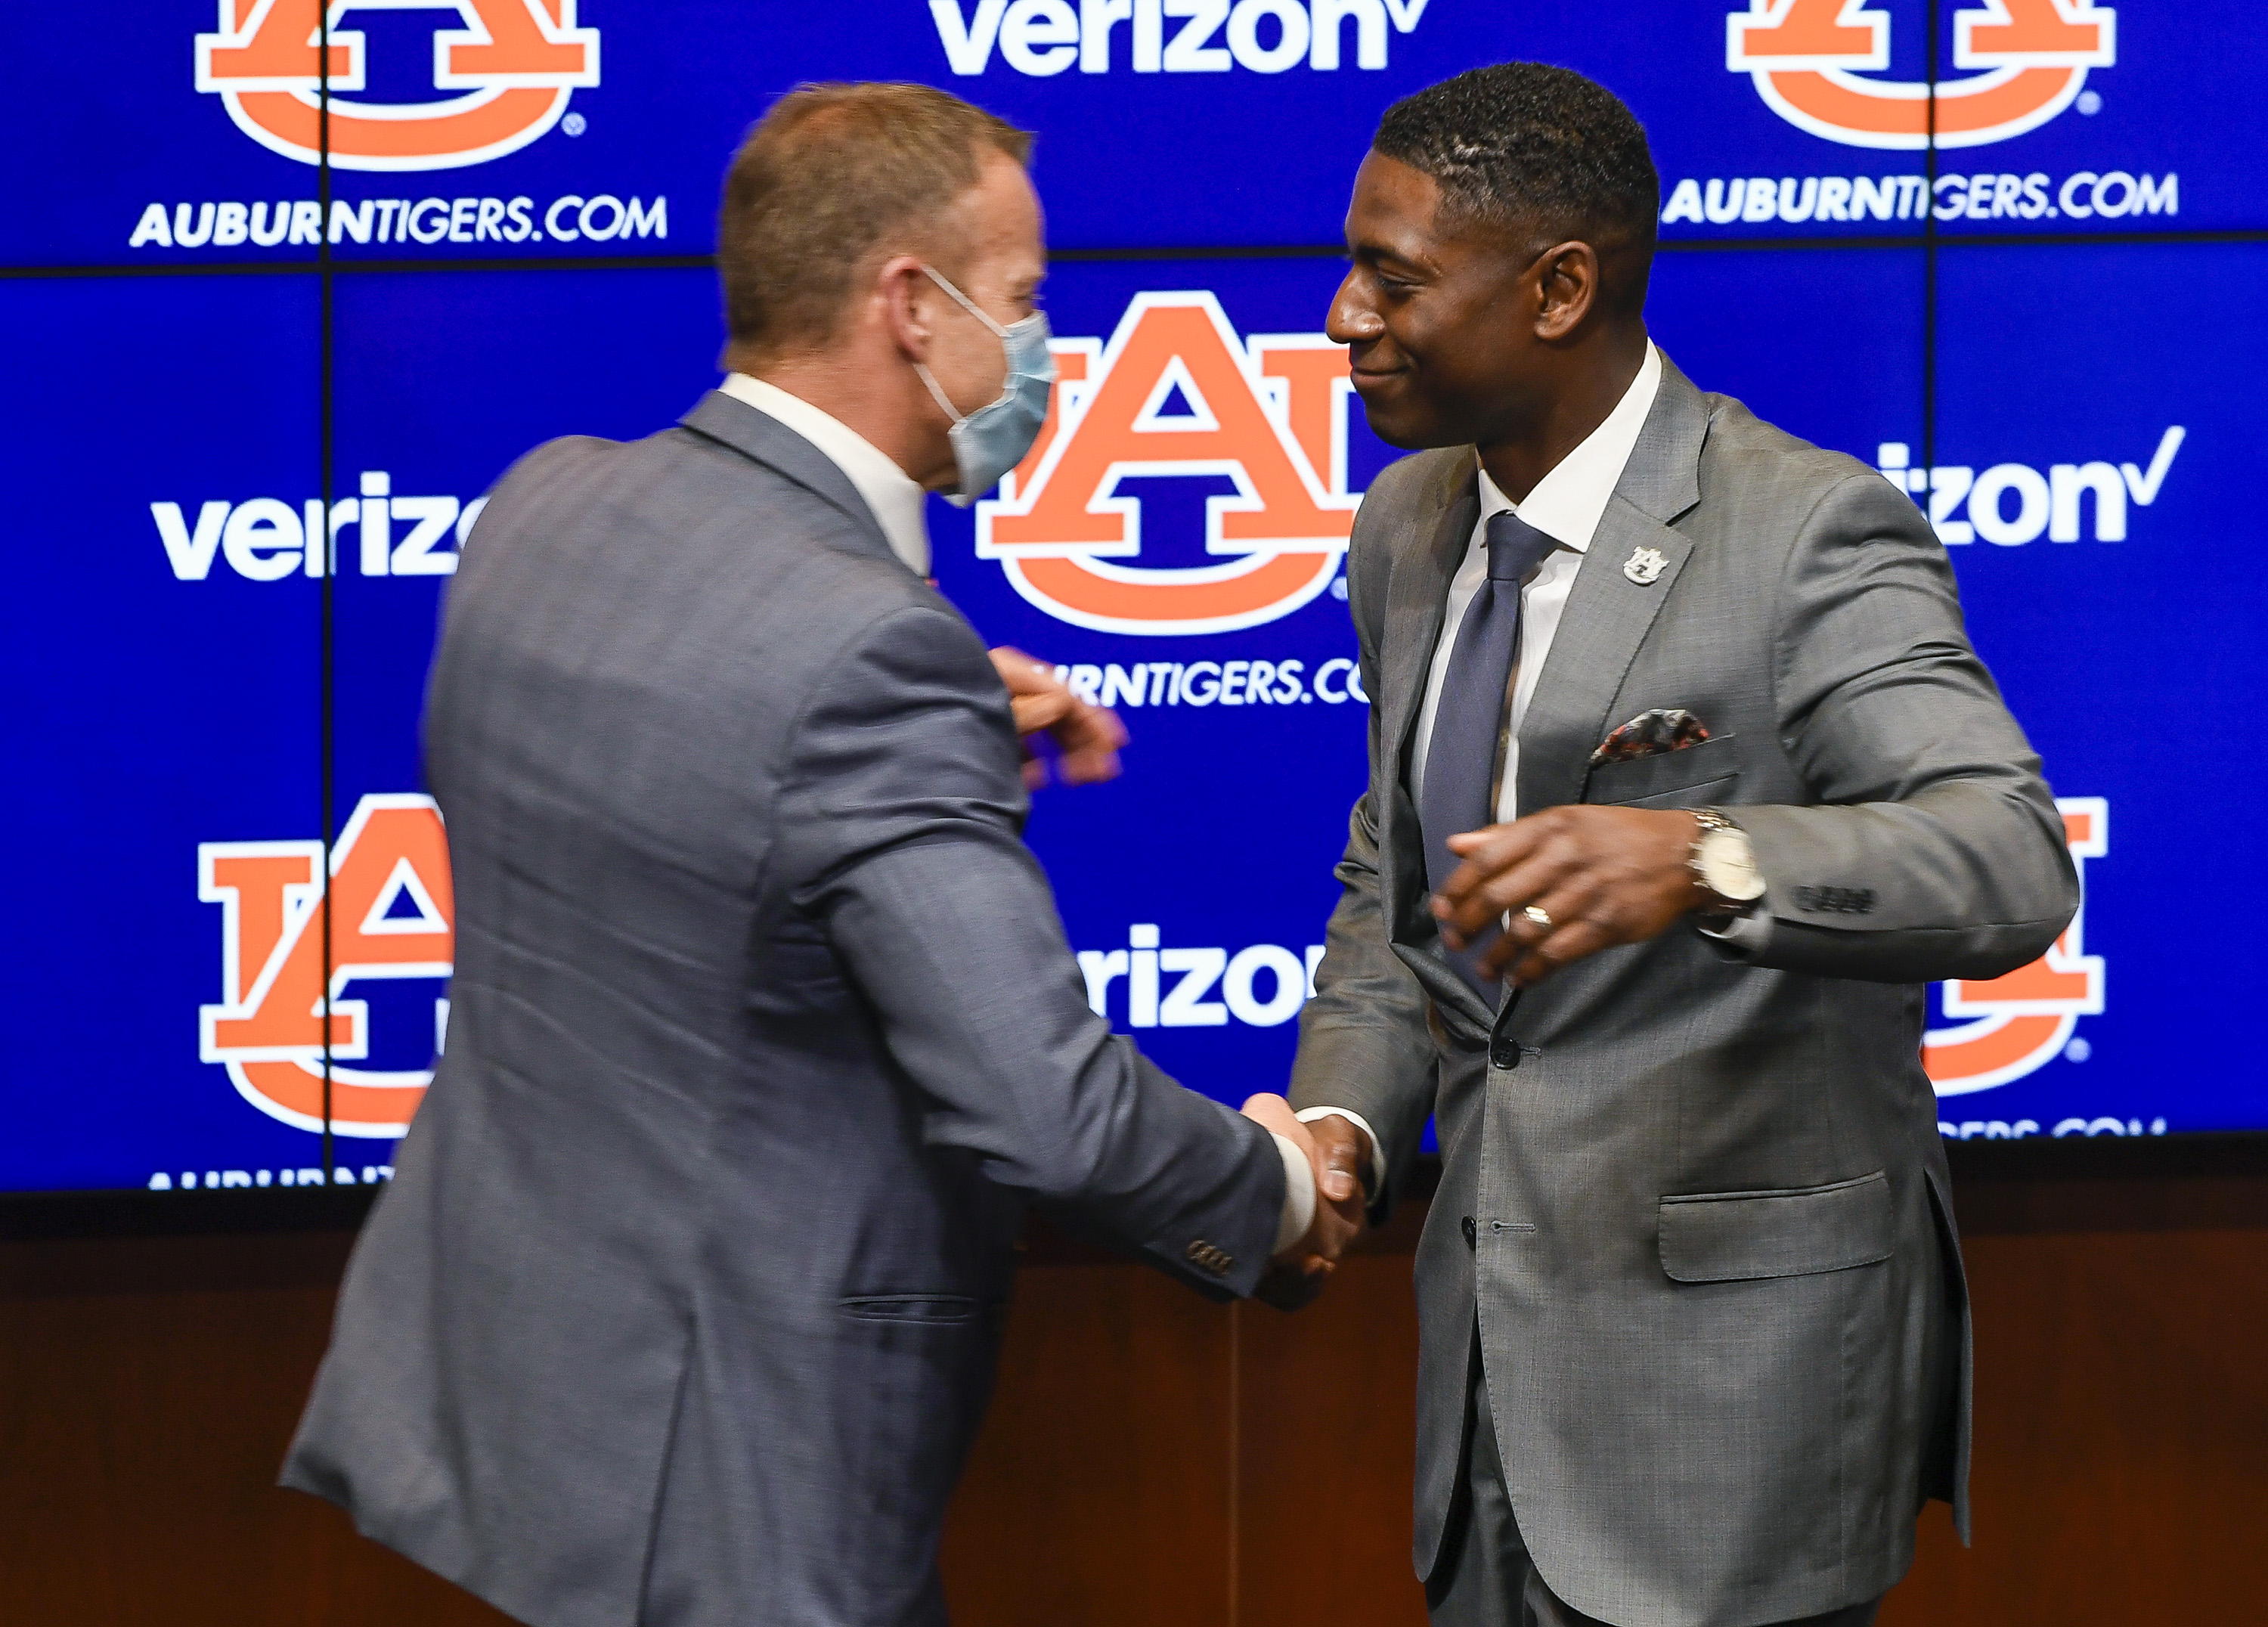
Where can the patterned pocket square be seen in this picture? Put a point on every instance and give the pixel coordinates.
(1663, 728)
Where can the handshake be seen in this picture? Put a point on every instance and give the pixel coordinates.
(1339, 1156)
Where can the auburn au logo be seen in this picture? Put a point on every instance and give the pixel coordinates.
(393, 915)
(516, 62)
(1806, 57)
(2020, 1022)
(1269, 412)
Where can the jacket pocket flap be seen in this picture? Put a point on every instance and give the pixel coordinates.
(1664, 771)
(1726, 1237)
(912, 1307)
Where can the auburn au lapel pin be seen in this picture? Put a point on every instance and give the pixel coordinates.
(1644, 566)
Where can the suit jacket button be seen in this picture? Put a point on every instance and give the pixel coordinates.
(1471, 1238)
(1504, 1052)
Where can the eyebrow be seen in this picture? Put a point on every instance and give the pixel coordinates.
(1370, 251)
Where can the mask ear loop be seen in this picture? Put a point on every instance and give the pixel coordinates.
(965, 302)
(944, 401)
(958, 416)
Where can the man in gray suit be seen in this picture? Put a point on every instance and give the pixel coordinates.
(1684, 781)
(684, 1305)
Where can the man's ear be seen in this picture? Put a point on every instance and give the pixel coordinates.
(907, 300)
(1568, 283)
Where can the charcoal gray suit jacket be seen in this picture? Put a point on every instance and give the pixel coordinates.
(684, 1303)
(1702, 1218)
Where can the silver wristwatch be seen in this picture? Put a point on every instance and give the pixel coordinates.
(1724, 866)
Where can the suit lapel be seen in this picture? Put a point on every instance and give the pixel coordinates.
(1417, 592)
(1439, 532)
(1608, 613)
(755, 434)
(1607, 618)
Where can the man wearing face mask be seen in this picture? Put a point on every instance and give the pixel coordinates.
(684, 1304)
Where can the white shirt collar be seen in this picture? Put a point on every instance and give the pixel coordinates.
(900, 505)
(1568, 501)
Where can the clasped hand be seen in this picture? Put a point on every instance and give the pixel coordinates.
(1338, 1152)
(1573, 880)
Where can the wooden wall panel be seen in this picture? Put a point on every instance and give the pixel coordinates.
(1146, 1447)
(148, 1388)
(2122, 1436)
(1326, 1422)
(1100, 1493)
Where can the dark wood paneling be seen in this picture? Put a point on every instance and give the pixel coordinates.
(1327, 1416)
(2149, 1183)
(2122, 1436)
(1146, 1446)
(1100, 1494)
(148, 1388)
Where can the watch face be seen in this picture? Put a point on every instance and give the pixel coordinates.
(1728, 865)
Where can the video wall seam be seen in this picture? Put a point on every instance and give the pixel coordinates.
(252, 658)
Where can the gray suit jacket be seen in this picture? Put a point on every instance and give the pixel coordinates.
(684, 1303)
(1710, 1249)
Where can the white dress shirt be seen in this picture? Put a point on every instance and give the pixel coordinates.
(901, 507)
(899, 504)
(1566, 505)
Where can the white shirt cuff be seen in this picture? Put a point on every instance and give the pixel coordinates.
(1299, 1195)
(1747, 932)
(1377, 1147)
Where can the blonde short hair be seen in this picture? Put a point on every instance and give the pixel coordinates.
(830, 176)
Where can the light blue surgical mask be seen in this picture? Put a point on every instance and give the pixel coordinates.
(993, 440)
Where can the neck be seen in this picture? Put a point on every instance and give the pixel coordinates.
(866, 399)
(1591, 380)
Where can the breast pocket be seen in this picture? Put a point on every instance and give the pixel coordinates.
(1693, 778)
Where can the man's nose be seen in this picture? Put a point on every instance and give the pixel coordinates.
(1351, 320)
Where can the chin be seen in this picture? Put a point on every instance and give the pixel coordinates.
(1406, 432)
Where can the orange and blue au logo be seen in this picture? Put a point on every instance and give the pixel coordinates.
(2020, 1022)
(393, 913)
(514, 64)
(1810, 59)
(1268, 411)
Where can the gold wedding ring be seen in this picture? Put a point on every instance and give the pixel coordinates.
(1534, 912)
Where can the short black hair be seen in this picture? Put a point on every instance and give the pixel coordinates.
(1530, 148)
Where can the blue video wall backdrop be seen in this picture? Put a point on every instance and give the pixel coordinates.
(252, 421)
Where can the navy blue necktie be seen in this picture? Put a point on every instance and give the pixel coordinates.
(1469, 716)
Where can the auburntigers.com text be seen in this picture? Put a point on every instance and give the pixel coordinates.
(2085, 195)
(569, 218)
(1216, 683)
